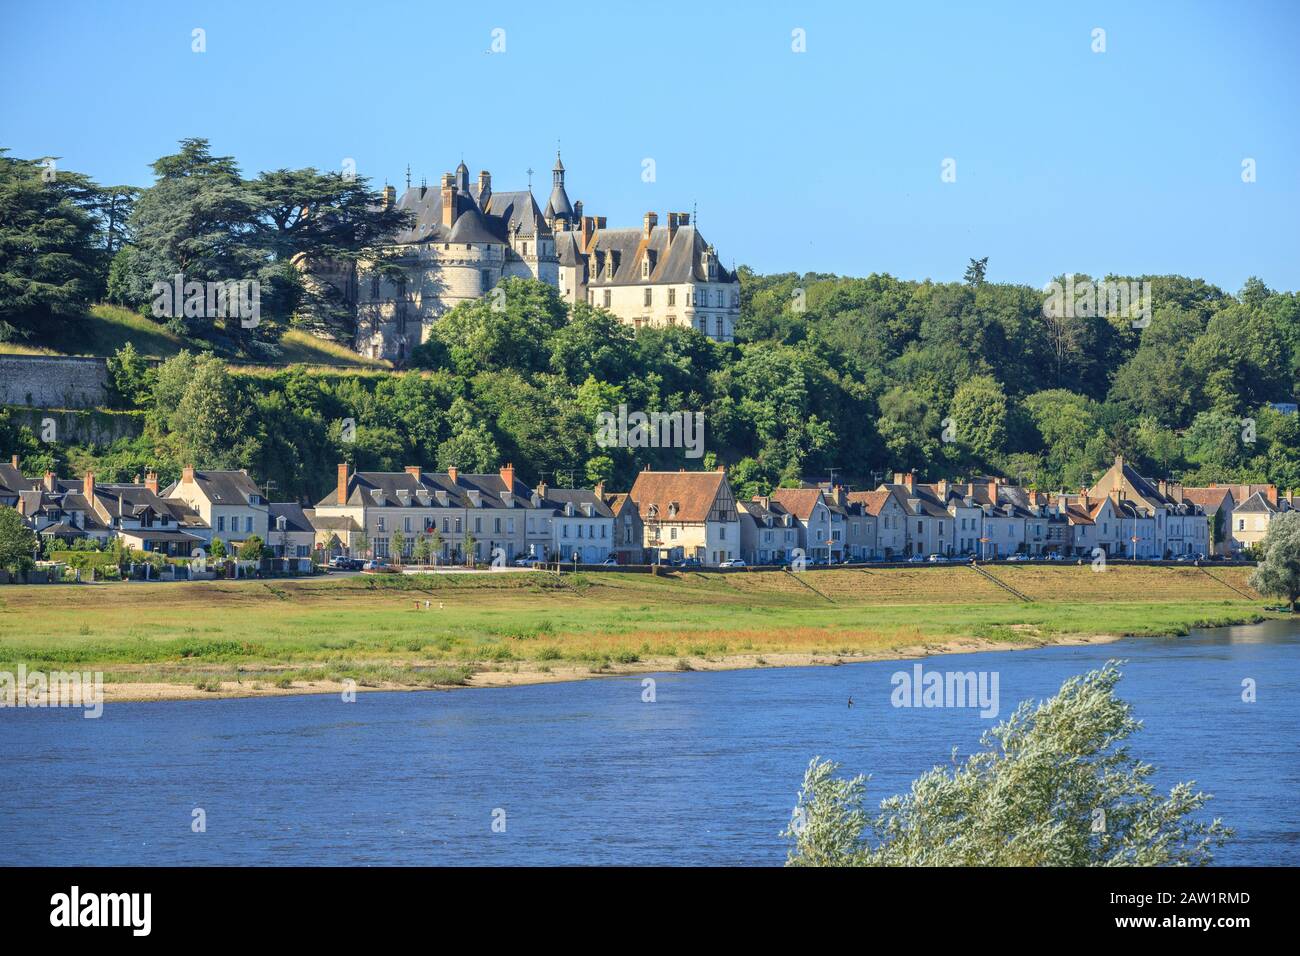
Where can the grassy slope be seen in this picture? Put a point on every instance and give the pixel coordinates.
(106, 328)
(342, 627)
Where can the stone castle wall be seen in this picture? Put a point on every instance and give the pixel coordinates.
(53, 381)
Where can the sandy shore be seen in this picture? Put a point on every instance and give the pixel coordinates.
(259, 684)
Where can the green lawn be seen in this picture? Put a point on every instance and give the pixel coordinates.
(338, 627)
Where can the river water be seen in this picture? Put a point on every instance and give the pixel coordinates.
(590, 773)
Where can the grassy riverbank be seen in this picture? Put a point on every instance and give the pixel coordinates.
(241, 638)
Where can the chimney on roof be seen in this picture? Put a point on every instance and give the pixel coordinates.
(1085, 501)
(942, 488)
(341, 492)
(508, 476)
(14, 461)
(672, 225)
(484, 186)
(452, 473)
(600, 489)
(577, 210)
(901, 478)
(49, 481)
(413, 471)
(187, 475)
(1270, 492)
(648, 224)
(151, 481)
(722, 469)
(994, 484)
(541, 488)
(88, 487)
(390, 196)
(448, 194)
(683, 219)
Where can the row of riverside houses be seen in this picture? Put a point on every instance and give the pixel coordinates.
(666, 516)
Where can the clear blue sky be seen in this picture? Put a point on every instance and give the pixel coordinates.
(1127, 161)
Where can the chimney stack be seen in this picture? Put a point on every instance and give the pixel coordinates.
(413, 471)
(14, 461)
(587, 228)
(88, 487)
(452, 473)
(187, 475)
(484, 186)
(508, 477)
(390, 196)
(577, 210)
(448, 195)
(151, 481)
(600, 490)
(672, 225)
(648, 224)
(49, 481)
(683, 219)
(341, 493)
(1271, 494)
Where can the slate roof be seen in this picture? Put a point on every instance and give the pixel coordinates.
(675, 260)
(383, 489)
(221, 487)
(558, 498)
(1256, 504)
(295, 520)
(477, 221)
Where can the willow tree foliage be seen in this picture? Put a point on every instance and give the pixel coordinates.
(1054, 785)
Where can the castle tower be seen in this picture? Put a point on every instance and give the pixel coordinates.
(559, 211)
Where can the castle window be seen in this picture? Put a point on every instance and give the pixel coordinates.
(672, 296)
(719, 326)
(649, 297)
(607, 298)
(704, 324)
(486, 279)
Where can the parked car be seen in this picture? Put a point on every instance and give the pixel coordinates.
(688, 563)
(373, 566)
(608, 561)
(1054, 556)
(1017, 557)
(916, 559)
(733, 563)
(937, 559)
(527, 561)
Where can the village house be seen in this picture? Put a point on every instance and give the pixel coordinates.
(628, 532)
(1217, 502)
(61, 512)
(687, 514)
(769, 533)
(291, 533)
(461, 515)
(580, 523)
(228, 501)
(890, 521)
(1251, 518)
(820, 530)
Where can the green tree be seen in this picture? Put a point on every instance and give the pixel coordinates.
(217, 549)
(1033, 797)
(252, 549)
(17, 542)
(975, 271)
(1278, 573)
(397, 546)
(49, 256)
